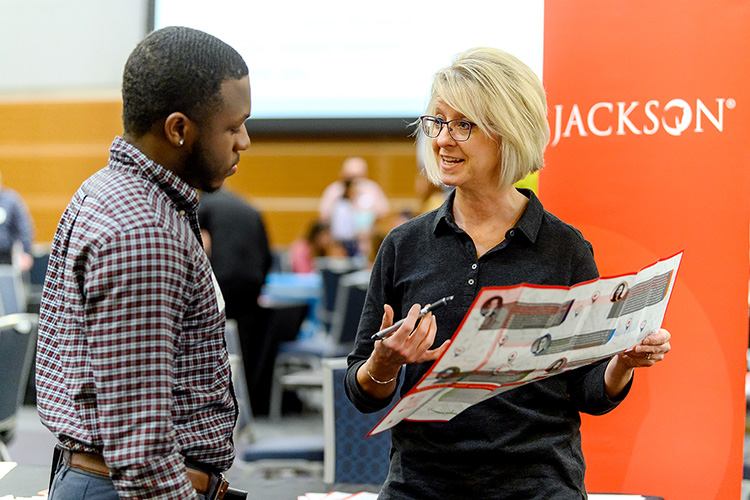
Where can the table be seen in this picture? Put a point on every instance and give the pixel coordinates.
(295, 287)
(25, 480)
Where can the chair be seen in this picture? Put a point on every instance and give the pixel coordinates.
(34, 281)
(12, 291)
(350, 300)
(17, 339)
(37, 273)
(269, 455)
(17, 343)
(298, 453)
(350, 456)
(297, 364)
(280, 324)
(239, 381)
(331, 269)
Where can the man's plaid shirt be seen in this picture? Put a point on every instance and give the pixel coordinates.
(131, 359)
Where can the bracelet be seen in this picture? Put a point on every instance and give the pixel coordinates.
(380, 381)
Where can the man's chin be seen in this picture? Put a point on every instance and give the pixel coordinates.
(211, 188)
(208, 185)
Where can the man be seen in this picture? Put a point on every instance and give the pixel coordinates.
(132, 371)
(235, 240)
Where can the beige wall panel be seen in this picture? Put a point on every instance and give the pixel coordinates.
(47, 148)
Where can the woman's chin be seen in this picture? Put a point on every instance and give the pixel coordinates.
(447, 179)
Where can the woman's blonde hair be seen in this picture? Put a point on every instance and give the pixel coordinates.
(504, 98)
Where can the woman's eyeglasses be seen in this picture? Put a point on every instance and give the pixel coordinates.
(459, 129)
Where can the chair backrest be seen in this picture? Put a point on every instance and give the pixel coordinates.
(17, 340)
(350, 456)
(331, 270)
(37, 273)
(350, 300)
(244, 427)
(281, 323)
(38, 270)
(285, 319)
(12, 298)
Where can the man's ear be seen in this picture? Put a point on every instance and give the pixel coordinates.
(179, 129)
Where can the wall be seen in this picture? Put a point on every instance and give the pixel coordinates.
(75, 45)
(59, 110)
(285, 178)
(48, 147)
(59, 89)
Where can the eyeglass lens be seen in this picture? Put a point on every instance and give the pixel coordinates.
(458, 129)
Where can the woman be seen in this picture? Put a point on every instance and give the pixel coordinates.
(317, 242)
(487, 129)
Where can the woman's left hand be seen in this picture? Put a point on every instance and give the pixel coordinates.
(650, 351)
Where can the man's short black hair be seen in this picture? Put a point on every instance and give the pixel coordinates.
(176, 69)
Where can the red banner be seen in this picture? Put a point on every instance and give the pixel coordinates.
(650, 118)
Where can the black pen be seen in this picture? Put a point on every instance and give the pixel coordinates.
(387, 332)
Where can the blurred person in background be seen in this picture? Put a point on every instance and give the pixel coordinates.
(369, 199)
(347, 228)
(236, 242)
(354, 204)
(317, 242)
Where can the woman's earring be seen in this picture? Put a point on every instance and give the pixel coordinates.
(182, 141)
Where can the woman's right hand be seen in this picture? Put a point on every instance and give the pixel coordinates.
(411, 343)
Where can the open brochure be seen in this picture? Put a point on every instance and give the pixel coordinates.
(515, 335)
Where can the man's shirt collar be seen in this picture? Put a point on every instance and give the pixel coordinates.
(126, 156)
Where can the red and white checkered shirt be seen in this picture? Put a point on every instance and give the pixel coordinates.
(131, 359)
